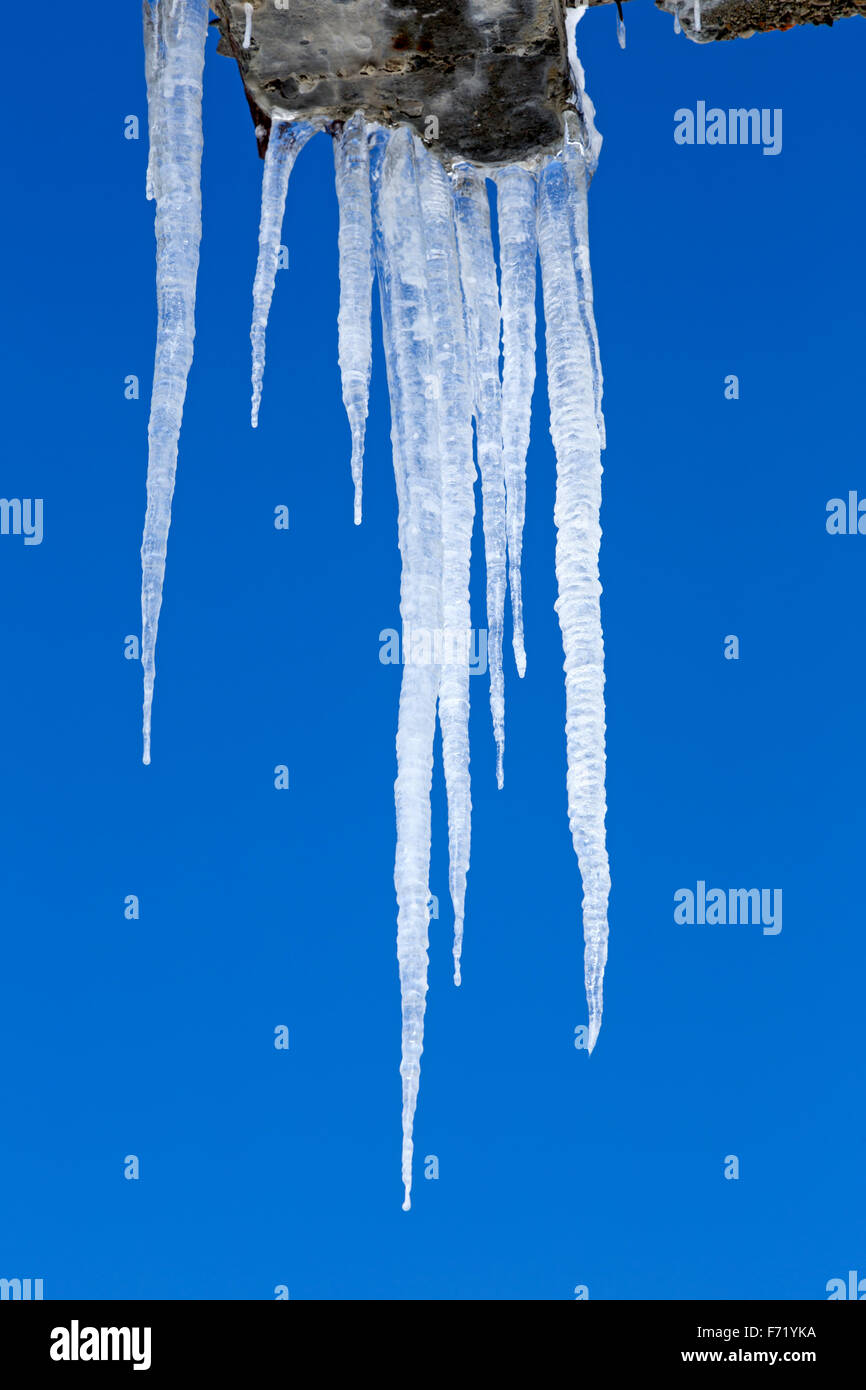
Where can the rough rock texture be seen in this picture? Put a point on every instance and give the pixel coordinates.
(732, 19)
(484, 80)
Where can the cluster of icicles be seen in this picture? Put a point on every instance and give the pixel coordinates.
(424, 233)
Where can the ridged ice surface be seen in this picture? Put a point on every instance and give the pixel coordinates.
(516, 209)
(426, 235)
(174, 33)
(577, 442)
(286, 141)
(352, 173)
(483, 321)
(410, 352)
(578, 176)
(453, 395)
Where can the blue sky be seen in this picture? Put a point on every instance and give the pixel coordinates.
(259, 908)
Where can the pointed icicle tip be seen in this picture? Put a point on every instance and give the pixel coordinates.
(287, 139)
(407, 1201)
(357, 464)
(457, 948)
(594, 1030)
(620, 24)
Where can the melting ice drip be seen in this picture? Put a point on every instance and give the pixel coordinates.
(425, 235)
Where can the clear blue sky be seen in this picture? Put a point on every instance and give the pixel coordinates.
(259, 908)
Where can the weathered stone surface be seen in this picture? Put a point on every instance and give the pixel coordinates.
(732, 19)
(484, 80)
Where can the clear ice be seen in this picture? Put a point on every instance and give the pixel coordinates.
(425, 233)
(483, 321)
(174, 39)
(286, 141)
(352, 176)
(518, 253)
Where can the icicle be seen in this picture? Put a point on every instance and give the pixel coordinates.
(577, 444)
(410, 357)
(481, 297)
(517, 256)
(574, 160)
(248, 25)
(150, 65)
(677, 25)
(285, 144)
(351, 165)
(454, 402)
(697, 16)
(174, 48)
(620, 25)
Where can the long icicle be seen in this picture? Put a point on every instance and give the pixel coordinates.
(287, 139)
(352, 173)
(576, 438)
(409, 354)
(151, 43)
(454, 402)
(578, 173)
(516, 210)
(174, 60)
(481, 297)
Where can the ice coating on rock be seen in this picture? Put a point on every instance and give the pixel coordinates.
(582, 99)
